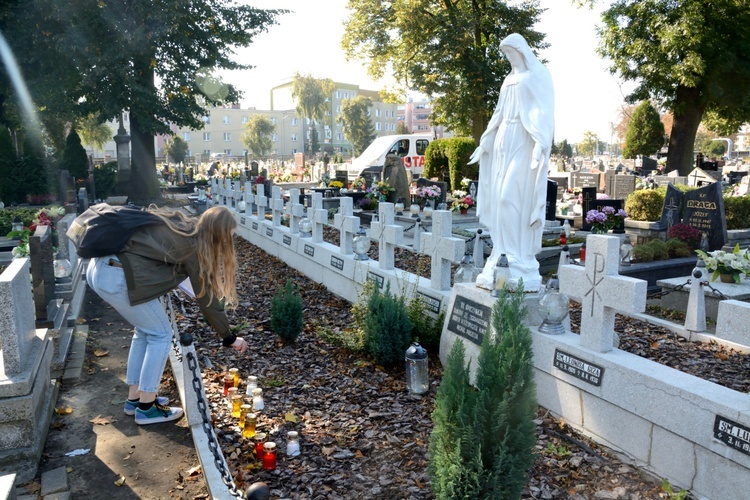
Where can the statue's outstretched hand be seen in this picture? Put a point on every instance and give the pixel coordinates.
(476, 155)
(537, 157)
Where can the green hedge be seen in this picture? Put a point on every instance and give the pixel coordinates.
(737, 211)
(448, 158)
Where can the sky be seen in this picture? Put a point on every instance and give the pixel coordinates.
(308, 41)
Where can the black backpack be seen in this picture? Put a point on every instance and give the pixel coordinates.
(104, 230)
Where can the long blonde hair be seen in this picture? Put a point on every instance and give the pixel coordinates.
(214, 246)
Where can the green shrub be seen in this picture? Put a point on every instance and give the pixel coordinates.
(286, 313)
(448, 158)
(645, 204)
(387, 327)
(737, 210)
(677, 248)
(105, 179)
(643, 253)
(424, 328)
(482, 441)
(659, 249)
(74, 159)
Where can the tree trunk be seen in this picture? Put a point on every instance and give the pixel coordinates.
(478, 124)
(688, 112)
(144, 186)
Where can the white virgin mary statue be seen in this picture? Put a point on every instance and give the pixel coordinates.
(513, 156)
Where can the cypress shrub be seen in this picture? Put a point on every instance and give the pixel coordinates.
(387, 327)
(74, 159)
(286, 313)
(483, 439)
(448, 158)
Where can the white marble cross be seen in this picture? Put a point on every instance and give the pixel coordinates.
(294, 210)
(261, 200)
(602, 291)
(387, 233)
(346, 223)
(277, 205)
(319, 217)
(442, 248)
(249, 198)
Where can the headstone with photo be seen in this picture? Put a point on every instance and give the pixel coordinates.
(474, 191)
(704, 210)
(671, 212)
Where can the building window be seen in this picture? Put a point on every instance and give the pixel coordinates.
(377, 112)
(328, 113)
(228, 152)
(294, 137)
(227, 137)
(245, 119)
(294, 122)
(423, 127)
(422, 117)
(275, 138)
(338, 109)
(206, 136)
(186, 136)
(377, 126)
(274, 120)
(206, 120)
(338, 94)
(206, 152)
(339, 136)
(226, 120)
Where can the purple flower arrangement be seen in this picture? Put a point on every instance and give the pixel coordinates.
(605, 219)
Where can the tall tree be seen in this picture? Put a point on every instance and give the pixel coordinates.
(691, 57)
(257, 135)
(93, 132)
(402, 129)
(645, 132)
(587, 147)
(118, 51)
(74, 159)
(177, 149)
(356, 123)
(310, 96)
(449, 51)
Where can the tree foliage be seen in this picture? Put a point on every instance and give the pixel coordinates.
(402, 129)
(257, 135)
(177, 149)
(690, 57)
(154, 58)
(356, 123)
(587, 147)
(310, 94)
(566, 150)
(93, 132)
(449, 51)
(75, 160)
(645, 132)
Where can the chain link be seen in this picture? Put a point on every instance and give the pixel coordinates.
(720, 295)
(663, 292)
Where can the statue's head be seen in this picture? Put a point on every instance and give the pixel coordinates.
(518, 52)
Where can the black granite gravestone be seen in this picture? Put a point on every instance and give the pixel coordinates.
(704, 210)
(588, 195)
(647, 165)
(585, 180)
(551, 200)
(671, 212)
(442, 185)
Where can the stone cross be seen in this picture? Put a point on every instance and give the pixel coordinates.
(249, 198)
(294, 210)
(319, 217)
(277, 205)
(442, 248)
(42, 270)
(17, 329)
(346, 223)
(387, 233)
(602, 291)
(261, 200)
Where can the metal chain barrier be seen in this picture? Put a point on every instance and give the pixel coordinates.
(192, 362)
(718, 293)
(663, 293)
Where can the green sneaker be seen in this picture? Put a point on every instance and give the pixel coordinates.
(157, 414)
(130, 406)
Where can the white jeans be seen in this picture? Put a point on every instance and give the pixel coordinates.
(152, 336)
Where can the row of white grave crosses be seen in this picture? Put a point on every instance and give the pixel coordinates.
(439, 244)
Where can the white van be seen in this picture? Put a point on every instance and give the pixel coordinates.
(410, 148)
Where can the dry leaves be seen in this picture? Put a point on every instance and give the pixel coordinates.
(64, 410)
(100, 352)
(99, 420)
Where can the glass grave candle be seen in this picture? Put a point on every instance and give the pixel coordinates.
(235, 373)
(251, 421)
(260, 441)
(244, 410)
(228, 382)
(269, 456)
(230, 392)
(252, 383)
(258, 399)
(292, 444)
(236, 404)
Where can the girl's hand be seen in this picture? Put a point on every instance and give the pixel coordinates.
(240, 345)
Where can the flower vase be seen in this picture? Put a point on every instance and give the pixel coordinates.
(464, 211)
(726, 278)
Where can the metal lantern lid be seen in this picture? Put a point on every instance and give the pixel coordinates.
(416, 352)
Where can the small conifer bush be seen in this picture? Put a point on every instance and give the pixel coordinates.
(483, 439)
(286, 313)
(387, 327)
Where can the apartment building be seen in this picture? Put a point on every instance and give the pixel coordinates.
(415, 114)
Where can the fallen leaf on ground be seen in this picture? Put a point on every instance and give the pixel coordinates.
(99, 420)
(120, 481)
(100, 352)
(291, 417)
(64, 410)
(194, 470)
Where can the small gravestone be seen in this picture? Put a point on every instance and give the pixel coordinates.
(704, 210)
(42, 272)
(551, 200)
(671, 212)
(342, 176)
(83, 200)
(647, 165)
(618, 186)
(474, 191)
(588, 197)
(585, 180)
(562, 181)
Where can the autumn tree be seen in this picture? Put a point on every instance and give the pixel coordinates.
(447, 50)
(257, 135)
(588, 146)
(645, 134)
(356, 123)
(402, 129)
(310, 96)
(176, 149)
(690, 57)
(153, 58)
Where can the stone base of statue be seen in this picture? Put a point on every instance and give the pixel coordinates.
(532, 281)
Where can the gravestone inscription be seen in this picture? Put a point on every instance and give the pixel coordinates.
(585, 180)
(579, 368)
(704, 210)
(469, 319)
(732, 434)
